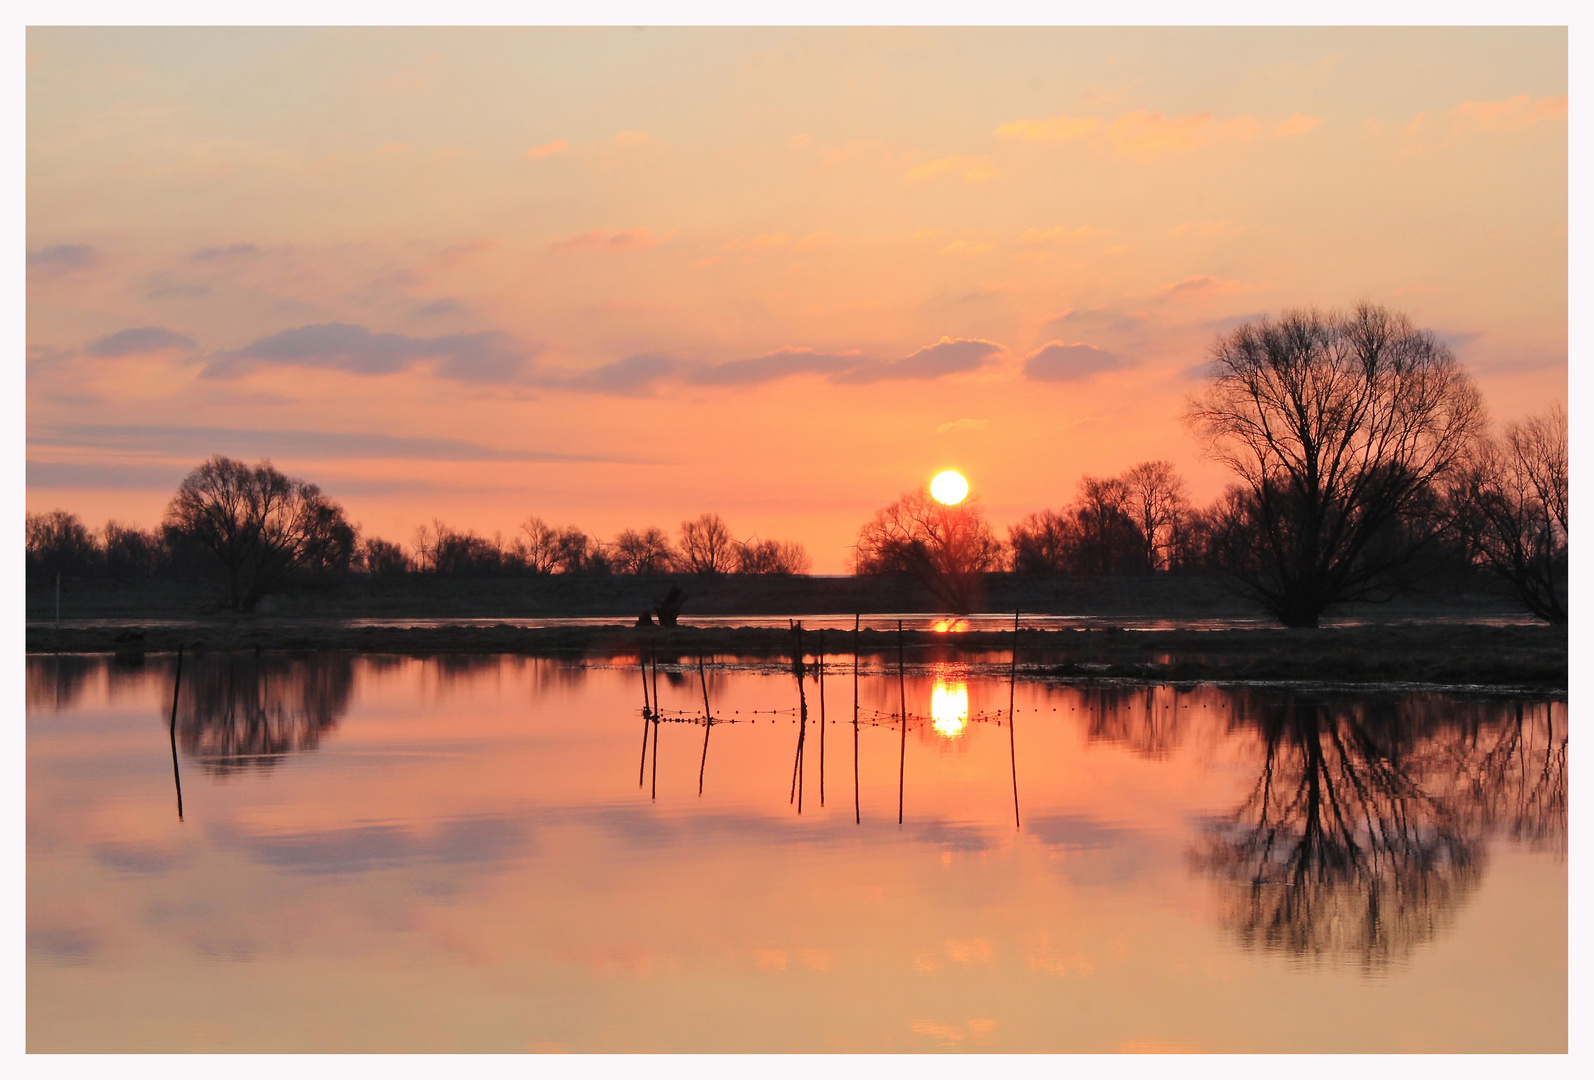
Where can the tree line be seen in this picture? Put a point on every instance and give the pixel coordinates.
(264, 532)
(1362, 458)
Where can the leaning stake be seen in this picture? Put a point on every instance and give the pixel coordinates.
(1012, 753)
(177, 777)
(857, 816)
(708, 722)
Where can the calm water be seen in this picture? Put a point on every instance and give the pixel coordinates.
(473, 854)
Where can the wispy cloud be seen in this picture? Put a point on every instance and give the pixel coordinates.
(486, 356)
(973, 169)
(1061, 234)
(225, 251)
(1059, 361)
(641, 238)
(62, 258)
(1510, 114)
(1143, 133)
(1199, 287)
(138, 341)
(761, 242)
(634, 376)
(949, 356)
(547, 149)
(182, 441)
(780, 364)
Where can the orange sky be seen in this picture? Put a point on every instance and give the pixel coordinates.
(619, 277)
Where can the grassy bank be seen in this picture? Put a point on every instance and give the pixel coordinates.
(1525, 656)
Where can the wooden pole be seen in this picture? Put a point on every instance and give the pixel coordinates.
(802, 710)
(708, 723)
(654, 794)
(647, 715)
(177, 777)
(902, 754)
(1012, 752)
(821, 718)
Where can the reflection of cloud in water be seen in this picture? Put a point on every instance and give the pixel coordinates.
(363, 848)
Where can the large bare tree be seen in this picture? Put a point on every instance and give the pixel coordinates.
(1157, 505)
(1337, 425)
(261, 524)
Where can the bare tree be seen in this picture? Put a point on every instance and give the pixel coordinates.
(1041, 543)
(1512, 505)
(1338, 426)
(706, 546)
(772, 557)
(540, 551)
(944, 548)
(260, 524)
(1106, 540)
(378, 556)
(643, 552)
(59, 543)
(1156, 504)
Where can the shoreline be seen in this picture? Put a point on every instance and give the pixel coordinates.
(1518, 656)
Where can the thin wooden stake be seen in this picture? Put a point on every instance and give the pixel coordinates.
(655, 792)
(821, 718)
(647, 710)
(177, 777)
(1012, 752)
(902, 754)
(857, 813)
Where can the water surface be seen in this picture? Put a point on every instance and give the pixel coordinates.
(487, 853)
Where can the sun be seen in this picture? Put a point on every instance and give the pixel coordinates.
(949, 487)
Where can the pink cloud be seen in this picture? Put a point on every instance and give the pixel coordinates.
(1055, 129)
(640, 238)
(973, 169)
(547, 149)
(1511, 114)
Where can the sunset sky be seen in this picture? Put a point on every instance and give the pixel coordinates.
(619, 277)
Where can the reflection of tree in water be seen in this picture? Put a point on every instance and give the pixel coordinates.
(1147, 719)
(1365, 829)
(241, 711)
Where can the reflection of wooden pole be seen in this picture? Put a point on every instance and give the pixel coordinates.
(857, 816)
(1012, 752)
(708, 722)
(802, 710)
(647, 715)
(177, 778)
(655, 792)
(654, 649)
(902, 754)
(821, 718)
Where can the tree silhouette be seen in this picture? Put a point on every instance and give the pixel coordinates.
(243, 711)
(1511, 504)
(1340, 850)
(1338, 427)
(706, 546)
(260, 524)
(944, 548)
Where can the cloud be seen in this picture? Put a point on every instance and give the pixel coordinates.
(632, 138)
(1056, 129)
(1061, 234)
(1511, 114)
(1098, 320)
(1145, 133)
(973, 169)
(547, 149)
(188, 442)
(62, 258)
(962, 424)
(761, 242)
(635, 376)
(948, 356)
(966, 247)
(1199, 287)
(444, 306)
(187, 292)
(486, 356)
(780, 364)
(640, 238)
(1296, 126)
(1059, 361)
(227, 251)
(138, 341)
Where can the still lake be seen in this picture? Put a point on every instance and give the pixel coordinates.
(488, 853)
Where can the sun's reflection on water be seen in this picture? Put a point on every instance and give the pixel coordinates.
(949, 708)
